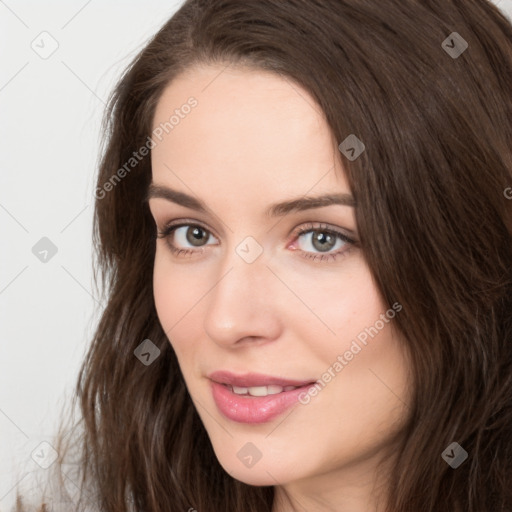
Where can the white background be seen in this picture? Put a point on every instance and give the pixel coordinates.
(49, 142)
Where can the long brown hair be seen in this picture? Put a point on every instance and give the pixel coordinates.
(433, 216)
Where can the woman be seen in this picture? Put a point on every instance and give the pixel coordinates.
(303, 224)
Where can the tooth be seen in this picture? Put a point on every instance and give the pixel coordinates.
(258, 391)
(264, 390)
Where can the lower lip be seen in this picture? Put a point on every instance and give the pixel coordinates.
(254, 409)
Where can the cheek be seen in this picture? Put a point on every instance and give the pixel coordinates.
(165, 291)
(346, 305)
(179, 292)
(362, 358)
(174, 293)
(367, 347)
(176, 286)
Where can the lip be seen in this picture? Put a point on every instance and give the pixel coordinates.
(248, 380)
(249, 409)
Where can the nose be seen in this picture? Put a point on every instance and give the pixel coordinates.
(244, 304)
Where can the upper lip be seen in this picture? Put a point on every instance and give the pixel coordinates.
(254, 379)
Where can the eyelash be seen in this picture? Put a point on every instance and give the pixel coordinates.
(307, 228)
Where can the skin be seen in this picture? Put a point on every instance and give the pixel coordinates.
(255, 139)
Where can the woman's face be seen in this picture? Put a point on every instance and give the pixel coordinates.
(248, 294)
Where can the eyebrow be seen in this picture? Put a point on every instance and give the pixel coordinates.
(275, 210)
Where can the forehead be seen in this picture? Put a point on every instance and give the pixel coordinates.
(250, 130)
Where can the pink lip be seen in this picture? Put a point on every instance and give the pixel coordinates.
(250, 409)
(254, 379)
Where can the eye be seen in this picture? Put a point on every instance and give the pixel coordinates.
(320, 237)
(179, 235)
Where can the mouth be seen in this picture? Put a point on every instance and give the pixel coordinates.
(256, 404)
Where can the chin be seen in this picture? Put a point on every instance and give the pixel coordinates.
(257, 477)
